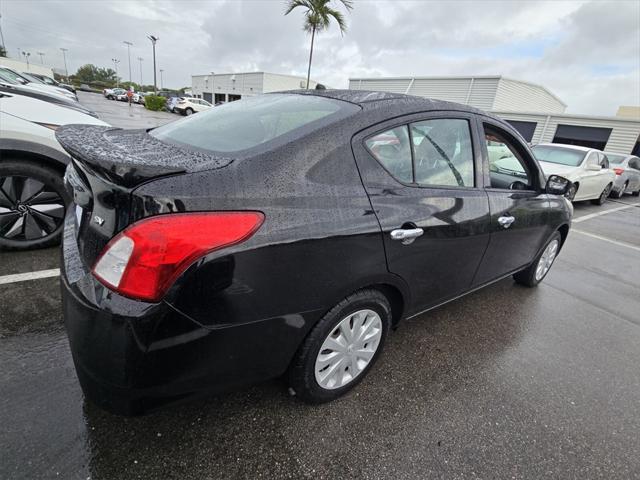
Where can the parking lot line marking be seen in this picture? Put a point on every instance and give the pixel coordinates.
(23, 277)
(605, 239)
(594, 215)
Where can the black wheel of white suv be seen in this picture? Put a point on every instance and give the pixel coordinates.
(341, 348)
(603, 196)
(32, 205)
(534, 273)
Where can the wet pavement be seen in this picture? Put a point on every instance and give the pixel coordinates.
(120, 114)
(507, 382)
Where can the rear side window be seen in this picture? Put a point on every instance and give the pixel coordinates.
(431, 153)
(250, 122)
(442, 152)
(393, 150)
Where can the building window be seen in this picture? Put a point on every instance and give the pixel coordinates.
(525, 129)
(591, 137)
(233, 97)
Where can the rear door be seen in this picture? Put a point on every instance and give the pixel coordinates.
(518, 204)
(423, 179)
(634, 174)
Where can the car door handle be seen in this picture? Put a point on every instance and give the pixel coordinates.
(506, 221)
(406, 235)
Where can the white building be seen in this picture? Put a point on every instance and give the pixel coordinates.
(532, 109)
(227, 87)
(19, 66)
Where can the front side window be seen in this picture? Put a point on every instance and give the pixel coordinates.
(250, 122)
(442, 153)
(393, 150)
(506, 168)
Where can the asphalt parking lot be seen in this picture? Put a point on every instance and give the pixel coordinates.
(120, 114)
(507, 382)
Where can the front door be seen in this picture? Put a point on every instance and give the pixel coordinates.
(518, 204)
(422, 176)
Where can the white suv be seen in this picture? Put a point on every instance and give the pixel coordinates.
(189, 105)
(32, 164)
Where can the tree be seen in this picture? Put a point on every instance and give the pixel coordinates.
(3, 51)
(317, 17)
(90, 73)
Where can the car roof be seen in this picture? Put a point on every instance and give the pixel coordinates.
(567, 146)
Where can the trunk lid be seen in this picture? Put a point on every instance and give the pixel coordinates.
(107, 165)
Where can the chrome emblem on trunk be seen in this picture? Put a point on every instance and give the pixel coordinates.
(98, 220)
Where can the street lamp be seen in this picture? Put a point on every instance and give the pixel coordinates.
(115, 64)
(128, 44)
(41, 57)
(161, 87)
(141, 59)
(64, 55)
(26, 56)
(153, 41)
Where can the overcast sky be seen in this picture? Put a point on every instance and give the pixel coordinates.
(586, 52)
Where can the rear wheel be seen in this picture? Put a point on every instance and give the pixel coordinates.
(603, 196)
(32, 205)
(619, 193)
(188, 112)
(534, 274)
(341, 348)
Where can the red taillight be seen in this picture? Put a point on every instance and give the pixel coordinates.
(144, 260)
(619, 171)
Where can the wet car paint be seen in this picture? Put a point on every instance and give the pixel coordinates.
(320, 242)
(547, 388)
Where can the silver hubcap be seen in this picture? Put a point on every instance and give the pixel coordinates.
(546, 260)
(348, 349)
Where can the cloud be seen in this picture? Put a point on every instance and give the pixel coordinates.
(586, 52)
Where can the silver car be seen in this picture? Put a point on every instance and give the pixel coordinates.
(627, 168)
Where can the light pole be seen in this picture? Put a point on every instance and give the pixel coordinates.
(2, 38)
(115, 64)
(64, 56)
(153, 41)
(128, 44)
(141, 59)
(26, 56)
(41, 57)
(161, 87)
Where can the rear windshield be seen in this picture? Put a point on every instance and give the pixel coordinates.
(250, 122)
(613, 158)
(559, 155)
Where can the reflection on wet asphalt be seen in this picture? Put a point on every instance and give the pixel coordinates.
(507, 382)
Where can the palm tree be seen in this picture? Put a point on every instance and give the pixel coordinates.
(317, 18)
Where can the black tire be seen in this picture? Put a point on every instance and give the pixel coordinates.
(189, 111)
(23, 225)
(571, 194)
(603, 196)
(527, 277)
(636, 193)
(618, 194)
(301, 373)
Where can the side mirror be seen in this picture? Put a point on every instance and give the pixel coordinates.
(557, 185)
(594, 167)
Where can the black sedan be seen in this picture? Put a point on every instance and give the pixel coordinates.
(285, 234)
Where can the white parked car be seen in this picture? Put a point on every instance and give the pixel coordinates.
(189, 106)
(627, 170)
(11, 76)
(587, 168)
(32, 164)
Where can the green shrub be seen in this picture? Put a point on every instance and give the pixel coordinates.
(154, 102)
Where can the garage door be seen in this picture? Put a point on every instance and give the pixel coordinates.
(592, 137)
(207, 97)
(526, 129)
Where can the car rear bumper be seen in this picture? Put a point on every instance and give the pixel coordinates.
(131, 356)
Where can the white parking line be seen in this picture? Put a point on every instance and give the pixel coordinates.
(23, 277)
(605, 239)
(594, 215)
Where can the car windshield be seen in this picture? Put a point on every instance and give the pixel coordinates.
(559, 155)
(617, 159)
(253, 121)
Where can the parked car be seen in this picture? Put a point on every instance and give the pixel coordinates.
(189, 106)
(9, 87)
(112, 93)
(32, 163)
(627, 170)
(13, 77)
(587, 168)
(53, 82)
(85, 88)
(276, 235)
